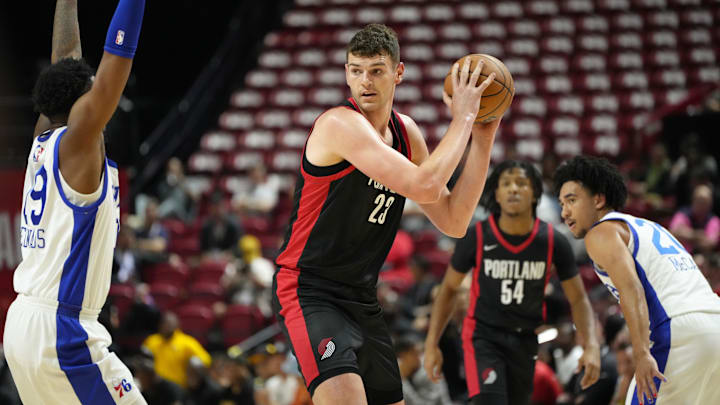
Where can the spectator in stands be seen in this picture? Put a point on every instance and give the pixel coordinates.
(220, 232)
(155, 389)
(658, 184)
(142, 318)
(284, 386)
(8, 392)
(417, 387)
(251, 285)
(237, 381)
(603, 390)
(693, 166)
(262, 196)
(176, 200)
(546, 388)
(152, 237)
(125, 268)
(173, 349)
(696, 226)
(201, 389)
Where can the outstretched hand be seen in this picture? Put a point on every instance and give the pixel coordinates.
(590, 362)
(646, 370)
(433, 362)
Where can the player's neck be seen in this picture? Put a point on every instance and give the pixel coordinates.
(520, 224)
(379, 118)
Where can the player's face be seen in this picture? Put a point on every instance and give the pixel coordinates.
(514, 192)
(579, 208)
(372, 80)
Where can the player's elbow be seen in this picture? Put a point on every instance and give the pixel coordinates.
(427, 189)
(453, 231)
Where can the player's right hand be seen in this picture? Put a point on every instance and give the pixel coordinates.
(646, 369)
(433, 362)
(467, 93)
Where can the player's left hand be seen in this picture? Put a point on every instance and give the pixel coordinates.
(590, 361)
(486, 129)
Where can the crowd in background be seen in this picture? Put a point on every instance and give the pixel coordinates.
(185, 257)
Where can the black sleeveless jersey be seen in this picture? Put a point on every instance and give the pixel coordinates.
(343, 223)
(511, 272)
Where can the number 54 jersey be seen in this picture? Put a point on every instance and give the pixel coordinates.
(511, 272)
(343, 223)
(67, 238)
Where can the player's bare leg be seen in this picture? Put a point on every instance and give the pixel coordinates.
(346, 389)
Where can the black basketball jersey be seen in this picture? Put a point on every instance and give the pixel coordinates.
(343, 223)
(511, 272)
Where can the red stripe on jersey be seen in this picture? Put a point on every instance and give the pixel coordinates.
(548, 267)
(287, 286)
(512, 248)
(471, 369)
(312, 198)
(403, 131)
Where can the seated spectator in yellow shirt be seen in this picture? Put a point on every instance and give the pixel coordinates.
(172, 350)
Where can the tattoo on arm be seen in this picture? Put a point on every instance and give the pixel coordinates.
(66, 32)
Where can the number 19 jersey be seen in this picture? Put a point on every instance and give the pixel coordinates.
(343, 223)
(67, 245)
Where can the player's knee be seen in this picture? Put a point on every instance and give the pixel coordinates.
(489, 398)
(346, 389)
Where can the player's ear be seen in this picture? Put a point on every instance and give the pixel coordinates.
(600, 201)
(399, 72)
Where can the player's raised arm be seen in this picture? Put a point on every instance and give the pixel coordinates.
(65, 44)
(352, 137)
(81, 147)
(607, 249)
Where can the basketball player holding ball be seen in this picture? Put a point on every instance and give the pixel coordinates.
(360, 162)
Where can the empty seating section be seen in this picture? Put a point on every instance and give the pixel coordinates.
(583, 69)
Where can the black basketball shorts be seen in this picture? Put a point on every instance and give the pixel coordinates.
(499, 364)
(334, 329)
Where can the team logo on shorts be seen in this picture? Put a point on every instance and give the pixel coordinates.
(121, 386)
(326, 348)
(489, 376)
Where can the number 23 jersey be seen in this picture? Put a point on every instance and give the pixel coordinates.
(511, 272)
(343, 223)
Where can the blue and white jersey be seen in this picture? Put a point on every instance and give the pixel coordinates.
(67, 238)
(672, 281)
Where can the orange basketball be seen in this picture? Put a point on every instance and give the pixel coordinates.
(498, 96)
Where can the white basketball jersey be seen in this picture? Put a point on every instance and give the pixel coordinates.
(67, 245)
(672, 281)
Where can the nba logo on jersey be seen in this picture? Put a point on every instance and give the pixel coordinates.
(37, 153)
(120, 38)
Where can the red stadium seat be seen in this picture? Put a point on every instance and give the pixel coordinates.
(589, 62)
(285, 161)
(205, 294)
(491, 29)
(568, 105)
(218, 141)
(247, 98)
(668, 78)
(507, 9)
(625, 60)
(367, 15)
(122, 296)
(259, 139)
(166, 296)
(242, 161)
(165, 273)
(473, 11)
(524, 28)
(240, 322)
(326, 96)
(593, 24)
(603, 103)
(439, 13)
(627, 40)
(205, 162)
(563, 126)
(557, 44)
(405, 14)
(541, 8)
(293, 138)
(196, 320)
(567, 147)
(286, 97)
(296, 77)
(236, 120)
(209, 271)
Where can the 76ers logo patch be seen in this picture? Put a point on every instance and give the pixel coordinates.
(326, 348)
(121, 387)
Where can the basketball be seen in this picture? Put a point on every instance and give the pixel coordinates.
(498, 96)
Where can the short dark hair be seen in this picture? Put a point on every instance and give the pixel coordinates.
(598, 175)
(375, 39)
(488, 198)
(60, 85)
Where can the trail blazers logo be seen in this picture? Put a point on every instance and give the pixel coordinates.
(326, 348)
(489, 376)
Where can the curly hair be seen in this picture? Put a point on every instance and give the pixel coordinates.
(375, 39)
(488, 198)
(59, 86)
(595, 174)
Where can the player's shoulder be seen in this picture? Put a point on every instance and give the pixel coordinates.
(604, 231)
